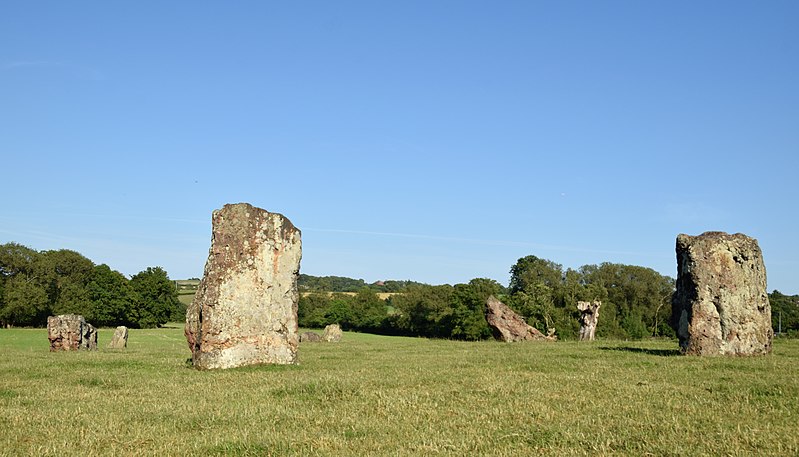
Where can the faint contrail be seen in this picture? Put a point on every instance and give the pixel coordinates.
(549, 247)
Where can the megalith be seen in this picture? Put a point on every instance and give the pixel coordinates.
(120, 338)
(589, 317)
(508, 326)
(721, 306)
(310, 337)
(245, 308)
(332, 334)
(70, 332)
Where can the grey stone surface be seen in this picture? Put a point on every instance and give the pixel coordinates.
(120, 338)
(70, 332)
(589, 318)
(310, 337)
(245, 308)
(332, 334)
(721, 306)
(508, 326)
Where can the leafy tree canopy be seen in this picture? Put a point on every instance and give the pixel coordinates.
(34, 285)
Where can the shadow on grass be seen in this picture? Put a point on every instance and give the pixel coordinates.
(657, 352)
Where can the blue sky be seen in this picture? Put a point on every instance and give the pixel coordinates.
(434, 141)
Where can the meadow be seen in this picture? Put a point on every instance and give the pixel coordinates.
(380, 395)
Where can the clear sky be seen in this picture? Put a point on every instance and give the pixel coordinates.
(437, 141)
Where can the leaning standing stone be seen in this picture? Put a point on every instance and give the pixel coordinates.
(70, 332)
(332, 334)
(721, 306)
(510, 327)
(120, 338)
(245, 308)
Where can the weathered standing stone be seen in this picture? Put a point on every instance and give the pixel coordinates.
(589, 316)
(310, 337)
(332, 334)
(245, 308)
(721, 306)
(508, 326)
(70, 332)
(120, 338)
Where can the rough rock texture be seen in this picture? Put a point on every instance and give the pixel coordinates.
(310, 337)
(245, 308)
(508, 326)
(332, 334)
(589, 316)
(721, 306)
(120, 338)
(70, 332)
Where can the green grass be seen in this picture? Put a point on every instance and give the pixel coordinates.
(376, 395)
(186, 289)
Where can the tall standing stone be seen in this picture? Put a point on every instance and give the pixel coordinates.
(245, 308)
(721, 306)
(589, 317)
(70, 332)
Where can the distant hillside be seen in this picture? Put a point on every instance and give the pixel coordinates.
(186, 288)
(308, 283)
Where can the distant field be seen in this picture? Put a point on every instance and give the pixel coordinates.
(186, 292)
(379, 395)
(186, 289)
(380, 295)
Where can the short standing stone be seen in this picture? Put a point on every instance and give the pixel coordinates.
(332, 334)
(721, 306)
(120, 338)
(245, 308)
(310, 337)
(510, 327)
(589, 317)
(70, 332)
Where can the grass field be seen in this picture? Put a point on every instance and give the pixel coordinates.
(186, 288)
(186, 298)
(377, 395)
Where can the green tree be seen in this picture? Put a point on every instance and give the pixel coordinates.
(367, 311)
(467, 319)
(312, 308)
(635, 298)
(424, 311)
(16, 258)
(112, 299)
(157, 298)
(65, 274)
(529, 271)
(18, 281)
(25, 302)
(339, 312)
(784, 312)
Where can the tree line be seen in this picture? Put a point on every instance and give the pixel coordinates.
(784, 313)
(308, 283)
(636, 303)
(37, 284)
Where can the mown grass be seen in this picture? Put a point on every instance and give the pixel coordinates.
(377, 395)
(186, 298)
